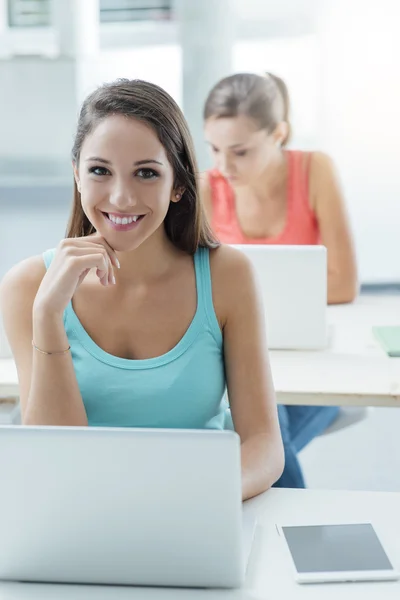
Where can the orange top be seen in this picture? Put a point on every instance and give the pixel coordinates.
(301, 224)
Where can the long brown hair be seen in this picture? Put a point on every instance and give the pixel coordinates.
(263, 99)
(185, 223)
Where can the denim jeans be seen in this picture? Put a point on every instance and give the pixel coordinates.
(299, 425)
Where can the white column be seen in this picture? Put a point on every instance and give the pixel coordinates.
(206, 34)
(78, 25)
(3, 16)
(3, 28)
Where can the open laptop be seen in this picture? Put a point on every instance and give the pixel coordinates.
(122, 506)
(293, 284)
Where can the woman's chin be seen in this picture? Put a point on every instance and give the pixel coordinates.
(121, 241)
(123, 245)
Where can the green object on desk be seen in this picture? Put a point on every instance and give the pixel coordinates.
(389, 338)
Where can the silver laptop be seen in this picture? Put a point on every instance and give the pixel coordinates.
(122, 506)
(293, 284)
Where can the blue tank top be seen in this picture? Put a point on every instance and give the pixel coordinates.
(182, 389)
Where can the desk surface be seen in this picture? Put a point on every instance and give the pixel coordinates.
(354, 369)
(269, 573)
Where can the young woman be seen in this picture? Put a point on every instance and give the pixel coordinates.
(138, 318)
(261, 193)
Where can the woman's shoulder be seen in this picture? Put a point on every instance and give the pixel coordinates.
(322, 172)
(22, 280)
(313, 169)
(211, 178)
(214, 174)
(312, 158)
(320, 161)
(233, 278)
(214, 188)
(226, 258)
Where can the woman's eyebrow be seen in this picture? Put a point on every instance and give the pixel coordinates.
(145, 161)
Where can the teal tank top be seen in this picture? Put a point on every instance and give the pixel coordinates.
(183, 388)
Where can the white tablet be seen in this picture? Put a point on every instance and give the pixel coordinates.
(329, 553)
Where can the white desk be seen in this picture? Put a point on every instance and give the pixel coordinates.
(268, 575)
(353, 370)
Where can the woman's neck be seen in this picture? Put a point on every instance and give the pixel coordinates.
(273, 179)
(152, 260)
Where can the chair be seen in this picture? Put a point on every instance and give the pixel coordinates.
(348, 415)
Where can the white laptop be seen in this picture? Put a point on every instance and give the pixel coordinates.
(293, 284)
(122, 506)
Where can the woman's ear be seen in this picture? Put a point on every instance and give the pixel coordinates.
(177, 194)
(281, 133)
(76, 176)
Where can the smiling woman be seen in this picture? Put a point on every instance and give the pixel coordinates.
(118, 194)
(123, 221)
(169, 145)
(139, 318)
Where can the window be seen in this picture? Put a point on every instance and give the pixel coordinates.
(117, 11)
(29, 13)
(37, 13)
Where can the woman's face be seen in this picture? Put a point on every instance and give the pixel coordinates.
(125, 181)
(241, 151)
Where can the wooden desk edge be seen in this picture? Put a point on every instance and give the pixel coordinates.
(9, 395)
(12, 400)
(335, 399)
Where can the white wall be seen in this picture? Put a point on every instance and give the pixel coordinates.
(273, 10)
(276, 56)
(360, 122)
(40, 98)
(37, 107)
(159, 64)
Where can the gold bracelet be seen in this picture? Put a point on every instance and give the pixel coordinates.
(48, 353)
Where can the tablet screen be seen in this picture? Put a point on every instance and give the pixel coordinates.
(336, 548)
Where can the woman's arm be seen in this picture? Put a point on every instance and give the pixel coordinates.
(49, 392)
(328, 204)
(251, 395)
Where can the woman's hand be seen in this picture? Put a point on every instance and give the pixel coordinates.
(73, 260)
